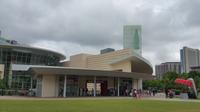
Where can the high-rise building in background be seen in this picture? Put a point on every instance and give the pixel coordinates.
(133, 38)
(167, 67)
(196, 68)
(189, 58)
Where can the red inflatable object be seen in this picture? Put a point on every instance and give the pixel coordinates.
(184, 82)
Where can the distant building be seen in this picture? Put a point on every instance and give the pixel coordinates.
(133, 38)
(167, 67)
(196, 68)
(189, 58)
(107, 50)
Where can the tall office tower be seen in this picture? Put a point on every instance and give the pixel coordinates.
(189, 58)
(132, 38)
(167, 67)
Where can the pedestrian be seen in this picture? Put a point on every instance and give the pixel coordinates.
(126, 92)
(139, 93)
(166, 93)
(136, 93)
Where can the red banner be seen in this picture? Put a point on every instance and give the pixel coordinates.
(184, 82)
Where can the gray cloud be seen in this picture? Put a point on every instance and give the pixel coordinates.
(167, 25)
(86, 23)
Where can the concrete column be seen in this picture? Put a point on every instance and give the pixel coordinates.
(140, 84)
(95, 87)
(48, 86)
(135, 83)
(31, 86)
(65, 83)
(118, 84)
(31, 83)
(57, 86)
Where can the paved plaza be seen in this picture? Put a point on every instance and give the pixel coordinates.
(97, 98)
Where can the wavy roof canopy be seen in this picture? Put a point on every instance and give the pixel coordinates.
(20, 47)
(140, 64)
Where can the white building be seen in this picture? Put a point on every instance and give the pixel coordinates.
(167, 67)
(189, 58)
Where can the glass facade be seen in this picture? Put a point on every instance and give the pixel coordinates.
(84, 86)
(132, 38)
(125, 86)
(24, 56)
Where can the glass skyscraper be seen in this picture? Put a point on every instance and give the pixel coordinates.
(132, 38)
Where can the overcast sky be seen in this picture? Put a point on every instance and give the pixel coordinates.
(86, 26)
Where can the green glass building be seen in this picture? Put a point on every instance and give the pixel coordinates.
(15, 58)
(132, 38)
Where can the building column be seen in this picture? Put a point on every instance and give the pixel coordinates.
(140, 84)
(65, 83)
(95, 87)
(135, 83)
(31, 84)
(31, 88)
(118, 84)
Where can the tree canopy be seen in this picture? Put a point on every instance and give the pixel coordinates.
(168, 81)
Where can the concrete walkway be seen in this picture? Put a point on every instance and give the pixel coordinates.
(94, 98)
(67, 98)
(173, 99)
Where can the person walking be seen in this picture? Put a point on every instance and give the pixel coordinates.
(166, 93)
(126, 92)
(136, 93)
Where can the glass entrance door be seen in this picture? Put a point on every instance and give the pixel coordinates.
(72, 88)
(125, 86)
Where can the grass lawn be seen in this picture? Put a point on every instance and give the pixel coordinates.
(126, 105)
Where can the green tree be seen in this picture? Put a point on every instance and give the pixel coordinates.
(169, 78)
(157, 84)
(196, 76)
(2, 84)
(168, 81)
